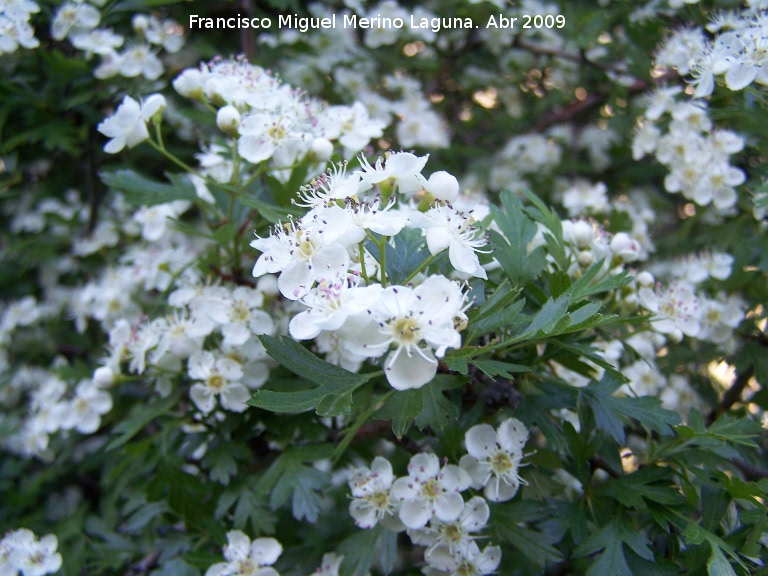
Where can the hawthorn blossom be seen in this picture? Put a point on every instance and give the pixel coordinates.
(329, 565)
(430, 491)
(409, 318)
(494, 457)
(21, 551)
(457, 535)
(128, 125)
(247, 558)
(216, 377)
(676, 309)
(371, 498)
(472, 563)
(446, 227)
(86, 408)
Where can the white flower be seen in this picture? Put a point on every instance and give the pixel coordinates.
(448, 228)
(20, 550)
(74, 18)
(473, 563)
(246, 558)
(216, 377)
(407, 318)
(402, 168)
(371, 499)
(240, 315)
(329, 565)
(430, 491)
(87, 407)
(140, 60)
(306, 252)
(494, 457)
(676, 310)
(128, 125)
(457, 535)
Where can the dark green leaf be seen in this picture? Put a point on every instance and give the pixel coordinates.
(402, 409)
(140, 190)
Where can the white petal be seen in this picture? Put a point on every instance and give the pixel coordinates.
(415, 513)
(481, 441)
(202, 397)
(414, 371)
(266, 551)
(234, 397)
(449, 506)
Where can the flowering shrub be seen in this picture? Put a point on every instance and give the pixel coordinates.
(458, 288)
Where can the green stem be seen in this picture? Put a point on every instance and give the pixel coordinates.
(421, 267)
(362, 419)
(362, 263)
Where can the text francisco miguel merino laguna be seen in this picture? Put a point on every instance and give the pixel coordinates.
(303, 24)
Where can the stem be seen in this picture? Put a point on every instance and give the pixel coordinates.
(362, 263)
(421, 267)
(383, 261)
(176, 160)
(362, 419)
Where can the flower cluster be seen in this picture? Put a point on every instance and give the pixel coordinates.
(78, 22)
(15, 29)
(22, 552)
(324, 262)
(736, 53)
(428, 501)
(696, 153)
(270, 120)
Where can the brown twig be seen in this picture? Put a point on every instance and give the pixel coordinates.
(732, 395)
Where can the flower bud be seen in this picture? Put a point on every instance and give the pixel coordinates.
(103, 376)
(321, 149)
(625, 247)
(586, 258)
(189, 84)
(581, 234)
(228, 120)
(443, 186)
(646, 279)
(153, 107)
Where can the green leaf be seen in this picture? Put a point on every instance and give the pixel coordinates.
(549, 316)
(142, 415)
(402, 409)
(288, 478)
(270, 212)
(363, 548)
(438, 411)
(332, 398)
(718, 564)
(606, 407)
(495, 368)
(140, 190)
(610, 539)
(511, 246)
(536, 546)
(407, 254)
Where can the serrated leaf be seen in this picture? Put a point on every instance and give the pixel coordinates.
(141, 416)
(407, 254)
(437, 411)
(402, 409)
(610, 539)
(332, 398)
(511, 246)
(536, 546)
(140, 190)
(361, 550)
(718, 564)
(270, 212)
(549, 316)
(496, 368)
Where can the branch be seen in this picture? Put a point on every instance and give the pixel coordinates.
(732, 395)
